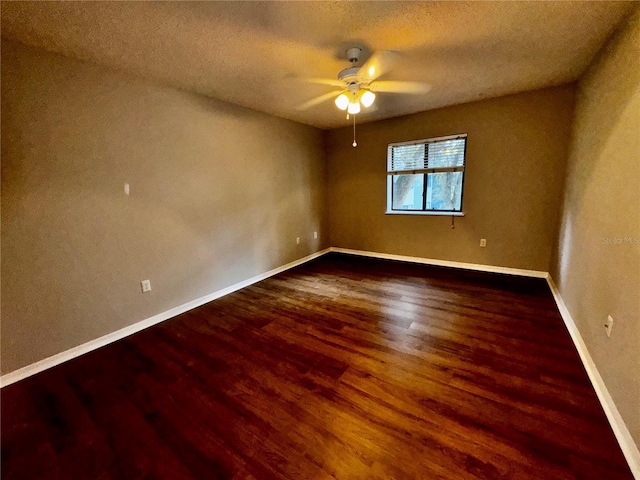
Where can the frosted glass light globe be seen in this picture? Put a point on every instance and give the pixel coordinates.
(342, 101)
(367, 98)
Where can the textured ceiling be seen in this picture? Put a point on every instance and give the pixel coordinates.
(246, 52)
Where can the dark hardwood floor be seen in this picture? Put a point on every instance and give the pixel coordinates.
(343, 368)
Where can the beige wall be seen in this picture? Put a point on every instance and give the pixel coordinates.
(602, 199)
(218, 195)
(516, 156)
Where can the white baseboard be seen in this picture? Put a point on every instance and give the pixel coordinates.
(74, 352)
(628, 446)
(61, 357)
(625, 440)
(444, 263)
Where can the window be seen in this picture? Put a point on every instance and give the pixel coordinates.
(426, 176)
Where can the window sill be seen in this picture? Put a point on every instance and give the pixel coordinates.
(436, 214)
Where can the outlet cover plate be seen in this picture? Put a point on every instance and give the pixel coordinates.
(145, 285)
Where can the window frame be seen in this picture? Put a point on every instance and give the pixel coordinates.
(425, 172)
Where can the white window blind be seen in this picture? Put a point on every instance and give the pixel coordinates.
(426, 156)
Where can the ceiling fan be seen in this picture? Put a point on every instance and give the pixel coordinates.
(358, 85)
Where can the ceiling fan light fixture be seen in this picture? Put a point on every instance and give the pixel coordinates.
(367, 98)
(354, 107)
(342, 101)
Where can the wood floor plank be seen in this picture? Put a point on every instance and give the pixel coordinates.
(341, 368)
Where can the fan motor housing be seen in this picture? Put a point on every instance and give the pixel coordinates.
(348, 74)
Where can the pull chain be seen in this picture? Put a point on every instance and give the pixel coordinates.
(355, 144)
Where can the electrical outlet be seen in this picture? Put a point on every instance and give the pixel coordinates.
(297, 240)
(146, 286)
(315, 234)
(609, 326)
(483, 242)
(127, 189)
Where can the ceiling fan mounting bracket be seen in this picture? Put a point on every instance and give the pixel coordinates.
(353, 54)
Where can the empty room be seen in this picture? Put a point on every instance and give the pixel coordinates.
(320, 240)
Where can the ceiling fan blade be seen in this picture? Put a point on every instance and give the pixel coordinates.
(378, 64)
(332, 82)
(318, 100)
(391, 86)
